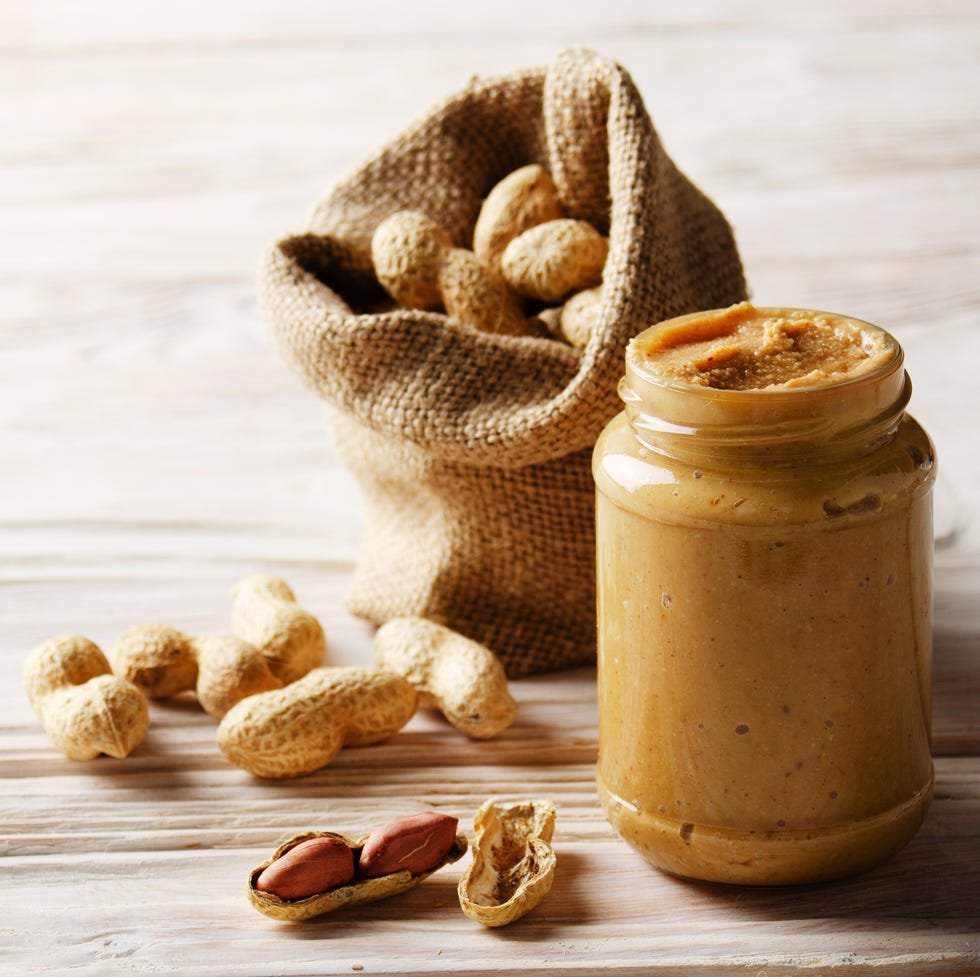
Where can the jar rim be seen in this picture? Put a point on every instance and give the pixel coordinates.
(672, 414)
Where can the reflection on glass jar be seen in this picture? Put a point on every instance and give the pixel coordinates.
(764, 525)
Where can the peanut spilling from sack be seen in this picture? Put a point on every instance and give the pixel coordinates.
(513, 863)
(576, 319)
(524, 234)
(300, 728)
(317, 872)
(83, 707)
(553, 260)
(221, 669)
(416, 262)
(525, 247)
(522, 199)
(461, 678)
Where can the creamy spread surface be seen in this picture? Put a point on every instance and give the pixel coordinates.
(745, 348)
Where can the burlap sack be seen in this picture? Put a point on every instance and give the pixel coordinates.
(473, 450)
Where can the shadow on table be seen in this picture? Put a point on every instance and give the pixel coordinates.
(931, 879)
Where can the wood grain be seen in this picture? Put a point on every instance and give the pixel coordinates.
(155, 450)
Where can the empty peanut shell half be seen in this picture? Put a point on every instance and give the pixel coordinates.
(513, 862)
(355, 892)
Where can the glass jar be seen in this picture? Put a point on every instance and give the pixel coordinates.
(764, 619)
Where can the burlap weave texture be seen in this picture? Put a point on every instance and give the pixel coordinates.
(473, 450)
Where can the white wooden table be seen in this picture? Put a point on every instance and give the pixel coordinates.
(154, 450)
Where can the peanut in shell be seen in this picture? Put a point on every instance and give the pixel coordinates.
(221, 669)
(550, 261)
(265, 613)
(525, 197)
(84, 708)
(460, 677)
(298, 729)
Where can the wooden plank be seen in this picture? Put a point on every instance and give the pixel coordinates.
(155, 450)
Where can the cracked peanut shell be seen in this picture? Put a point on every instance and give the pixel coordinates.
(513, 863)
(355, 893)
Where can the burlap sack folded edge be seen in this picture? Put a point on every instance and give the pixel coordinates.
(423, 381)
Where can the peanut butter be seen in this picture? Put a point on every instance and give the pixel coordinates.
(741, 348)
(764, 575)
